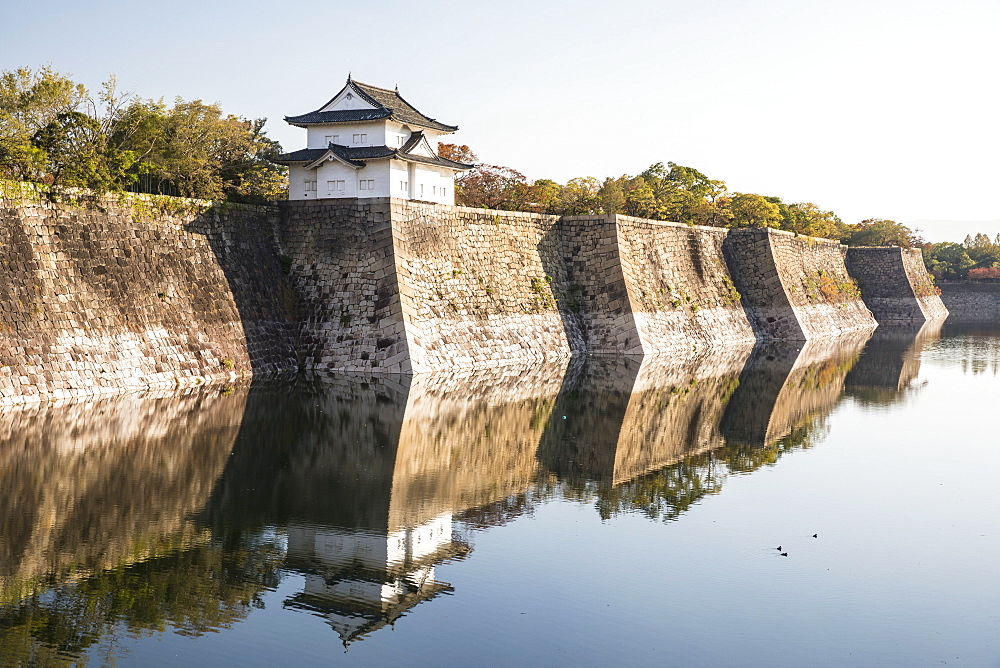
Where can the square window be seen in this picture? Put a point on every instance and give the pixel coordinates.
(310, 185)
(335, 139)
(357, 139)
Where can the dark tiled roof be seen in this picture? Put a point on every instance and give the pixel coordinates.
(302, 155)
(342, 116)
(357, 155)
(437, 160)
(390, 105)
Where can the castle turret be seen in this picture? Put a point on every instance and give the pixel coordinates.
(370, 142)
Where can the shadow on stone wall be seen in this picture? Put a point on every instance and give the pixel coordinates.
(243, 239)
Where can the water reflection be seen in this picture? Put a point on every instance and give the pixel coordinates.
(890, 363)
(975, 347)
(184, 511)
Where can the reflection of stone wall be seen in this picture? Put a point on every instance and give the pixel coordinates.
(615, 420)
(890, 362)
(785, 384)
(92, 485)
(895, 285)
(382, 452)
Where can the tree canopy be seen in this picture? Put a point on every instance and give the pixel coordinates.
(52, 130)
(664, 191)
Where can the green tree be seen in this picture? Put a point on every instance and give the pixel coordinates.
(76, 153)
(983, 252)
(580, 196)
(29, 102)
(880, 232)
(750, 210)
(947, 260)
(546, 195)
(808, 219)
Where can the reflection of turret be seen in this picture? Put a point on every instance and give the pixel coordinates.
(786, 385)
(359, 580)
(890, 362)
(98, 484)
(367, 473)
(618, 418)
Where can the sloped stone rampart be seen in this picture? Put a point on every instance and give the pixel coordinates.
(681, 292)
(342, 261)
(795, 287)
(895, 285)
(103, 295)
(477, 287)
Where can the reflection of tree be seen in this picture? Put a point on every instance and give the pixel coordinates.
(670, 492)
(665, 494)
(974, 347)
(194, 591)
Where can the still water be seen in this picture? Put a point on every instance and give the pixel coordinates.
(595, 512)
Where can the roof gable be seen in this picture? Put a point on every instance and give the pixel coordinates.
(368, 103)
(418, 145)
(348, 99)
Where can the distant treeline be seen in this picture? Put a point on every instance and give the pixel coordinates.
(54, 131)
(663, 192)
(976, 258)
(685, 195)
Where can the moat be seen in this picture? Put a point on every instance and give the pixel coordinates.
(590, 511)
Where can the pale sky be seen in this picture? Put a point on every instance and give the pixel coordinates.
(871, 108)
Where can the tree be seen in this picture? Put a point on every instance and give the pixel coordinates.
(75, 152)
(29, 102)
(751, 210)
(580, 196)
(457, 153)
(493, 187)
(53, 130)
(808, 219)
(983, 252)
(947, 260)
(880, 232)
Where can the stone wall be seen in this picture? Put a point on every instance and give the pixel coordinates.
(681, 292)
(476, 286)
(971, 301)
(104, 295)
(343, 266)
(895, 285)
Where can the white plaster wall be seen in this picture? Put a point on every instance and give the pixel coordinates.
(376, 170)
(297, 176)
(438, 184)
(316, 134)
(397, 173)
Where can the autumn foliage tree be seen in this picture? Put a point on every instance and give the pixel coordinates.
(54, 131)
